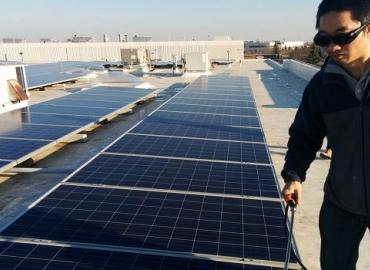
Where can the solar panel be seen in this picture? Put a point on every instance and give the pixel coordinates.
(28, 131)
(192, 179)
(177, 107)
(172, 222)
(221, 92)
(46, 74)
(101, 98)
(197, 131)
(215, 97)
(114, 91)
(13, 149)
(69, 110)
(85, 103)
(57, 119)
(191, 148)
(30, 256)
(41, 124)
(208, 121)
(224, 103)
(184, 175)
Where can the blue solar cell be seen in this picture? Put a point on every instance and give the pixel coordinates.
(84, 103)
(185, 175)
(57, 119)
(217, 92)
(191, 148)
(193, 130)
(225, 103)
(15, 149)
(202, 126)
(209, 109)
(204, 119)
(156, 220)
(210, 96)
(69, 110)
(29, 131)
(115, 91)
(30, 256)
(4, 162)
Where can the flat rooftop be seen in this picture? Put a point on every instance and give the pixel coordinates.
(277, 94)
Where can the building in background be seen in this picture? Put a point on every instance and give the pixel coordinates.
(48, 40)
(100, 51)
(77, 39)
(141, 39)
(14, 40)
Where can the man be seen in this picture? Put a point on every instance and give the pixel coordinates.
(336, 104)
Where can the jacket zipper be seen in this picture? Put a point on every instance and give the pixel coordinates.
(363, 158)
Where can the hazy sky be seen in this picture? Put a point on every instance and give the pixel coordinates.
(161, 19)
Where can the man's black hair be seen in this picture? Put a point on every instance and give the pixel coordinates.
(360, 9)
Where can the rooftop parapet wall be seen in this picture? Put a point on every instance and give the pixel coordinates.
(302, 70)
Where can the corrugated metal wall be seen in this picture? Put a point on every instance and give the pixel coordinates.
(54, 52)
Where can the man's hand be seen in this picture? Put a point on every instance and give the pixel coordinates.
(292, 188)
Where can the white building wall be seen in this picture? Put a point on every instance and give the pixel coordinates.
(54, 52)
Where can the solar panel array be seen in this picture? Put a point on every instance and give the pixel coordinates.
(43, 124)
(184, 189)
(41, 75)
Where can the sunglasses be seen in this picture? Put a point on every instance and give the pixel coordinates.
(338, 39)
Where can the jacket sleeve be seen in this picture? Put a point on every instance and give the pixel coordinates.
(306, 135)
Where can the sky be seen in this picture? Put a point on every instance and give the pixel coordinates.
(162, 20)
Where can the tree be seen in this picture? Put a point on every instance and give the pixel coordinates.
(313, 55)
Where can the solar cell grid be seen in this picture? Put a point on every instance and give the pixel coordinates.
(215, 97)
(85, 103)
(37, 132)
(102, 98)
(182, 175)
(217, 92)
(208, 121)
(191, 148)
(69, 110)
(222, 85)
(114, 91)
(157, 220)
(196, 130)
(57, 119)
(15, 149)
(225, 103)
(30, 256)
(208, 109)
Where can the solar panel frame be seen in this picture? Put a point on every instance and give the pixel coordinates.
(31, 256)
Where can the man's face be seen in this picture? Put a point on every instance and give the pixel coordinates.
(341, 22)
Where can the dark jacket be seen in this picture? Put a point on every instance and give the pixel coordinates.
(330, 108)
